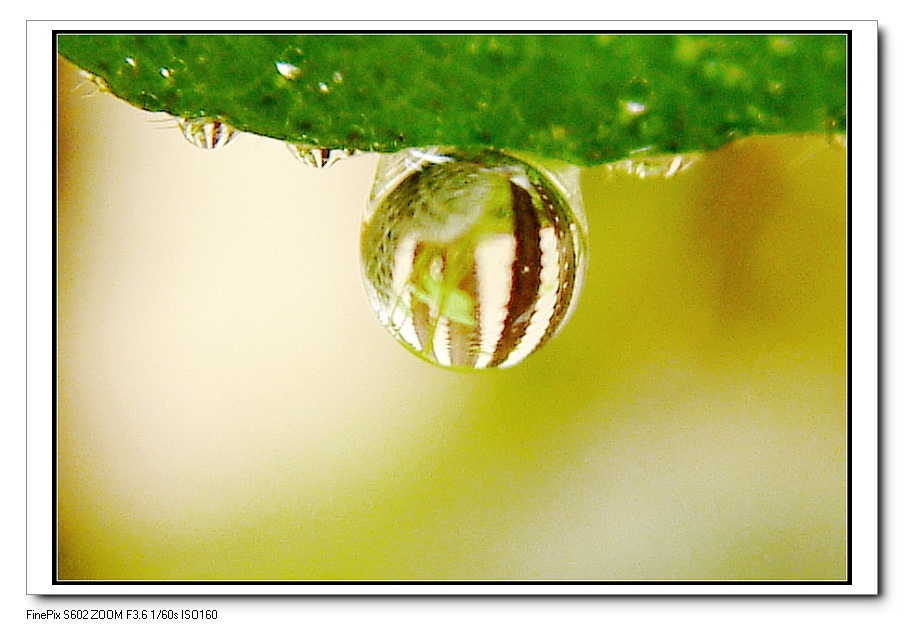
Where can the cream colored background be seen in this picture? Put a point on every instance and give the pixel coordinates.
(229, 407)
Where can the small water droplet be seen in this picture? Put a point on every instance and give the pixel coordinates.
(96, 81)
(205, 133)
(658, 166)
(473, 259)
(634, 107)
(288, 70)
(317, 157)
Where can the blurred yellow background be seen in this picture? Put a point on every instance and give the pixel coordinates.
(230, 408)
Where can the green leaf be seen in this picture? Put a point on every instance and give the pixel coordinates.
(586, 99)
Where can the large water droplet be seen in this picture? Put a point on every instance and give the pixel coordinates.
(473, 260)
(204, 133)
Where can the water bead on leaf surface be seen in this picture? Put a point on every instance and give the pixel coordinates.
(472, 259)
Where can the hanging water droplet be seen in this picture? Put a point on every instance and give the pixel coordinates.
(473, 260)
(317, 157)
(205, 133)
(96, 81)
(664, 166)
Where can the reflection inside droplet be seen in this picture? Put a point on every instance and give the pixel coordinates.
(473, 260)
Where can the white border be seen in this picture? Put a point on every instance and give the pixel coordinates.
(863, 125)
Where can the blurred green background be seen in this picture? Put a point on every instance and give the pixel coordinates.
(230, 408)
